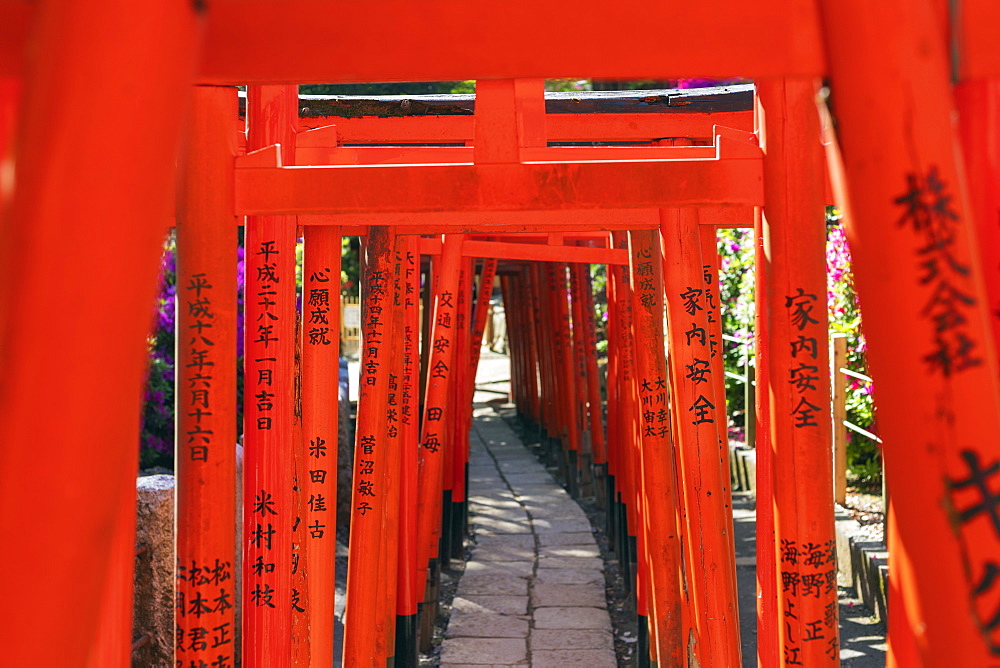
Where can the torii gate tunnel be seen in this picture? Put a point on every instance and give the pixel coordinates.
(447, 194)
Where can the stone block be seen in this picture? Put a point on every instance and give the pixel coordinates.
(585, 538)
(570, 639)
(495, 585)
(503, 605)
(483, 651)
(522, 569)
(570, 576)
(572, 618)
(592, 658)
(486, 625)
(568, 595)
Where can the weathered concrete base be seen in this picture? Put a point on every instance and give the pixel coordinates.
(153, 609)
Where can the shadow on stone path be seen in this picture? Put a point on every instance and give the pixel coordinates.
(533, 591)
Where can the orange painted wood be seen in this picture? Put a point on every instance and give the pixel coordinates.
(519, 42)
(388, 558)
(76, 309)
(662, 540)
(558, 127)
(528, 222)
(799, 385)
(978, 104)
(437, 411)
(595, 408)
(506, 187)
(975, 37)
(462, 382)
(532, 251)
(629, 425)
(566, 386)
(333, 154)
(269, 419)
(909, 212)
(768, 647)
(409, 588)
(320, 419)
(580, 367)
(523, 222)
(364, 621)
(694, 341)
(10, 98)
(294, 45)
(206, 385)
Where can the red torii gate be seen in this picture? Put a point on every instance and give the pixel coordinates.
(914, 171)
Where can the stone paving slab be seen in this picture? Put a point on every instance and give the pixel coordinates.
(571, 562)
(575, 639)
(495, 585)
(504, 605)
(487, 626)
(479, 651)
(513, 568)
(556, 539)
(546, 658)
(572, 618)
(570, 576)
(533, 591)
(568, 595)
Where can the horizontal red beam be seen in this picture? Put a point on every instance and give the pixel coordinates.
(412, 155)
(558, 127)
(505, 187)
(342, 41)
(332, 41)
(498, 222)
(503, 250)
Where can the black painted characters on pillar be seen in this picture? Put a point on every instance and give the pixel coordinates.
(929, 212)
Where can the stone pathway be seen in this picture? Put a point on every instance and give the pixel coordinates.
(533, 591)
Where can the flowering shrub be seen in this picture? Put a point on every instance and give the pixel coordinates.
(736, 248)
(156, 444)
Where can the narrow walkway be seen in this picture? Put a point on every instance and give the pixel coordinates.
(533, 591)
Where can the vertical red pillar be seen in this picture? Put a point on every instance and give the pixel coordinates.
(364, 625)
(269, 410)
(799, 385)
(700, 412)
(917, 271)
(392, 361)
(205, 447)
(434, 433)
(408, 586)
(582, 408)
(658, 474)
(75, 311)
(10, 99)
(320, 419)
(979, 122)
(768, 648)
(462, 399)
(595, 409)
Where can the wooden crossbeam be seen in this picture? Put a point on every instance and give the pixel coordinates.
(524, 222)
(303, 41)
(580, 127)
(538, 252)
(501, 187)
(409, 155)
